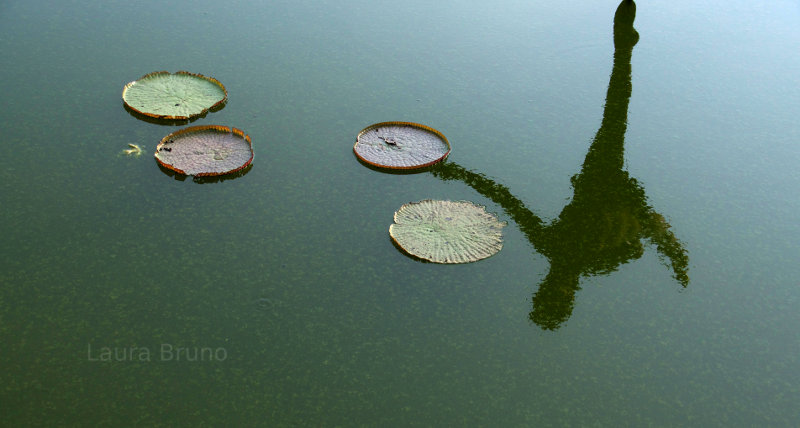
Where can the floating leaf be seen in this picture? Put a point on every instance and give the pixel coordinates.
(205, 150)
(401, 145)
(178, 96)
(447, 231)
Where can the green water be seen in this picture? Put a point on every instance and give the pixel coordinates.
(650, 269)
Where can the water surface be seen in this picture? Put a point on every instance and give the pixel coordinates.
(649, 273)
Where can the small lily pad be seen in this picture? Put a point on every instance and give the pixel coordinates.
(177, 96)
(401, 145)
(447, 231)
(205, 150)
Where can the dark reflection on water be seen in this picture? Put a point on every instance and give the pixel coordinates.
(411, 171)
(206, 179)
(171, 122)
(602, 228)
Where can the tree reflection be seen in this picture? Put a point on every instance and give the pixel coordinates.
(608, 218)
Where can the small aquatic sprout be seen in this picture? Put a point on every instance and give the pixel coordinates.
(134, 150)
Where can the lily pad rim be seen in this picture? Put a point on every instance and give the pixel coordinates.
(400, 123)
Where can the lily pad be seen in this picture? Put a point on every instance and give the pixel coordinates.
(205, 150)
(447, 231)
(401, 145)
(178, 96)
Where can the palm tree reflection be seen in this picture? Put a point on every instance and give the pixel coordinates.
(608, 217)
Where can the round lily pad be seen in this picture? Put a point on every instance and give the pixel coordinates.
(205, 150)
(178, 96)
(401, 145)
(447, 231)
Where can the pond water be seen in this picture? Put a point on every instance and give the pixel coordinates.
(649, 274)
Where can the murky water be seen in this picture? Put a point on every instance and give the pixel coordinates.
(646, 165)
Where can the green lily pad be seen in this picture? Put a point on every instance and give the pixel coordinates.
(178, 96)
(447, 231)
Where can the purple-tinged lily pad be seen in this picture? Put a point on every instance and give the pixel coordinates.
(205, 150)
(401, 145)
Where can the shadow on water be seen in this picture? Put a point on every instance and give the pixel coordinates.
(207, 179)
(395, 171)
(170, 122)
(608, 217)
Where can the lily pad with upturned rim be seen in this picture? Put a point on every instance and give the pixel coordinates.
(205, 150)
(447, 231)
(178, 96)
(401, 145)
